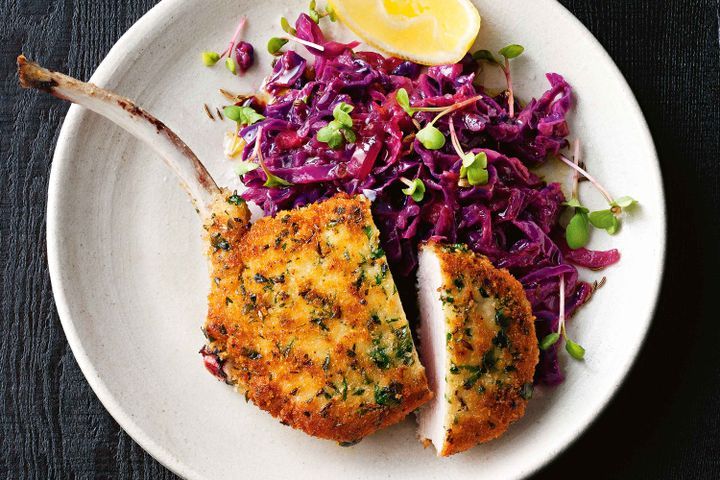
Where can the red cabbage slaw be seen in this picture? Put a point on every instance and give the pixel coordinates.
(513, 219)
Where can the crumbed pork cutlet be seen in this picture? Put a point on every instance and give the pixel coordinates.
(304, 318)
(478, 344)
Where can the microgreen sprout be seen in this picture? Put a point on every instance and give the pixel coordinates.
(512, 51)
(474, 166)
(603, 219)
(316, 14)
(339, 130)
(416, 188)
(549, 341)
(574, 349)
(430, 136)
(508, 53)
(275, 44)
(242, 115)
(577, 233)
(231, 65)
(485, 55)
(273, 181)
(245, 167)
(403, 99)
(286, 26)
(210, 58)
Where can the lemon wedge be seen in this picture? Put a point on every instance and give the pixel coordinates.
(429, 32)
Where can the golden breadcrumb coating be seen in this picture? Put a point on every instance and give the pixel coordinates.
(305, 319)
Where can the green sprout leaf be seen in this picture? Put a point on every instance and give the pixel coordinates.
(575, 350)
(403, 99)
(286, 26)
(339, 130)
(242, 115)
(416, 189)
(512, 51)
(275, 182)
(577, 233)
(606, 220)
(481, 160)
(474, 168)
(231, 65)
(331, 135)
(314, 15)
(349, 135)
(245, 167)
(467, 160)
(614, 228)
(210, 58)
(343, 107)
(602, 219)
(341, 112)
(331, 13)
(431, 138)
(485, 55)
(575, 203)
(275, 44)
(549, 341)
(624, 202)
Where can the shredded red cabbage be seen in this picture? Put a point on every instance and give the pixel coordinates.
(513, 219)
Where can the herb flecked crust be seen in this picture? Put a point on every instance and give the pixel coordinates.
(491, 344)
(305, 319)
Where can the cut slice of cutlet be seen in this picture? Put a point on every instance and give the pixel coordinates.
(304, 318)
(478, 344)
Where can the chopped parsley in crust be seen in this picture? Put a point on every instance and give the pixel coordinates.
(489, 350)
(304, 318)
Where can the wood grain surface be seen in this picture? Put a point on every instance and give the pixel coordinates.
(664, 423)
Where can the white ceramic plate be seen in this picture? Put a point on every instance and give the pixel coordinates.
(129, 277)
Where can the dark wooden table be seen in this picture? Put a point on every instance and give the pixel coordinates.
(664, 423)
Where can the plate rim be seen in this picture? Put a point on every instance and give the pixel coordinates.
(75, 117)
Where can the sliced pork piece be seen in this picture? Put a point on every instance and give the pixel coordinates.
(478, 345)
(304, 318)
